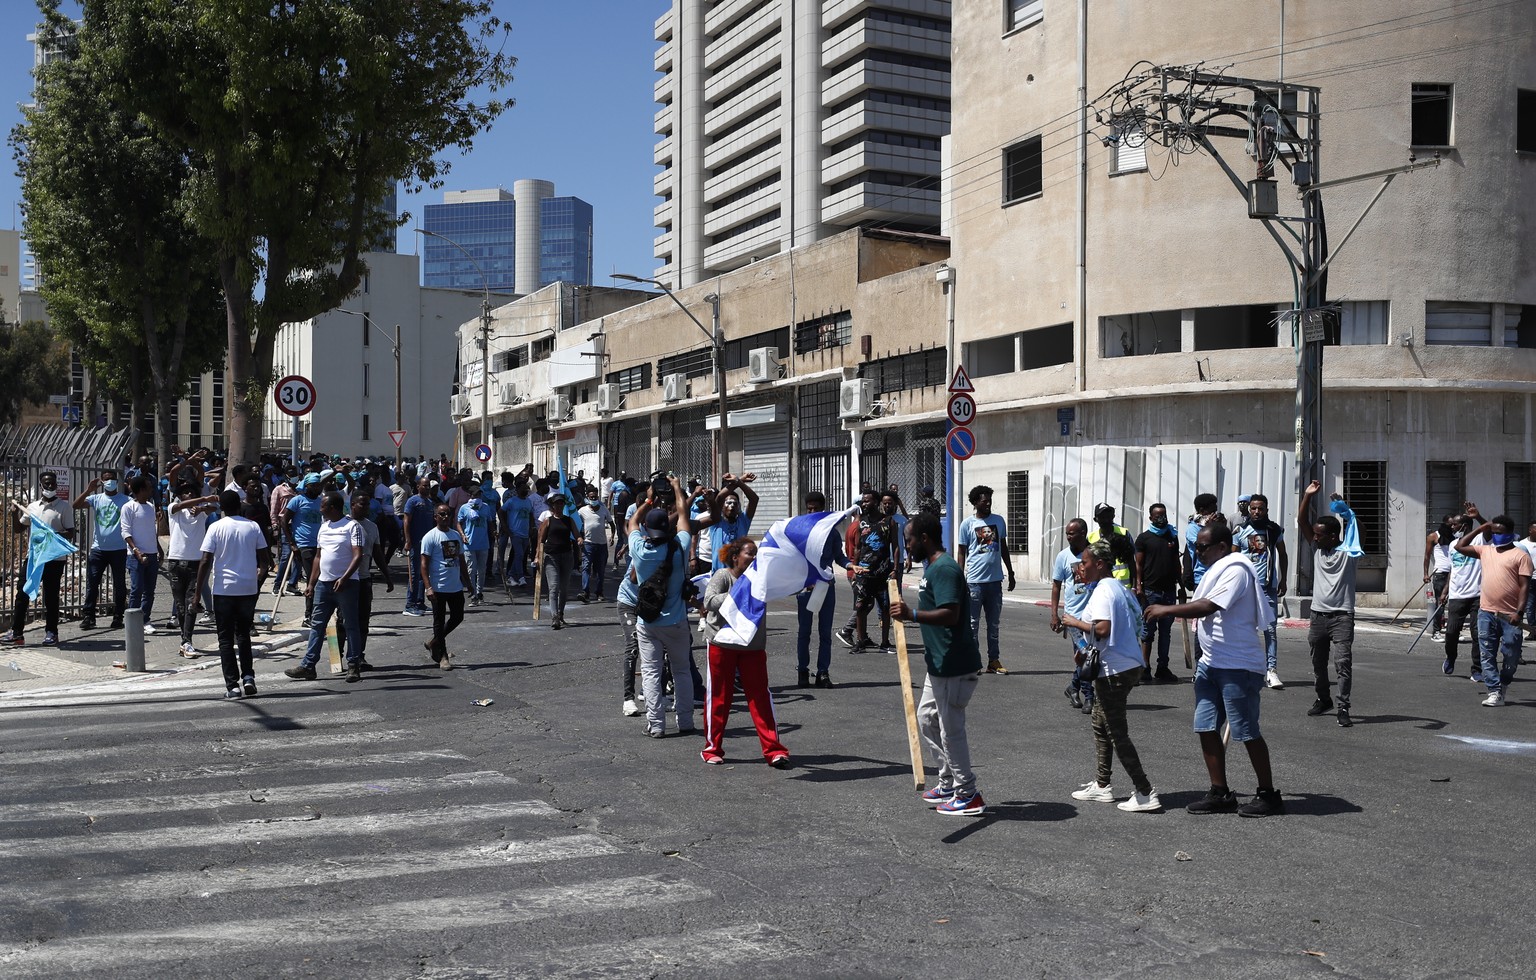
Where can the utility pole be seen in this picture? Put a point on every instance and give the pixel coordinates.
(398, 419)
(722, 446)
(485, 370)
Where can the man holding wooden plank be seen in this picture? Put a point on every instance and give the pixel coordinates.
(953, 661)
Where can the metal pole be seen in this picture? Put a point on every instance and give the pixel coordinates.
(722, 445)
(133, 640)
(485, 369)
(398, 420)
(293, 454)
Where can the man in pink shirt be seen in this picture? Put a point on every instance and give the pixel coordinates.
(1506, 581)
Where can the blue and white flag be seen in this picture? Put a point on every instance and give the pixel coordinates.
(796, 554)
(45, 546)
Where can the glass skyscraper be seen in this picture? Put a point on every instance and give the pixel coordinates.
(484, 223)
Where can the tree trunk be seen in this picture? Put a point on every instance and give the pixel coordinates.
(165, 421)
(245, 394)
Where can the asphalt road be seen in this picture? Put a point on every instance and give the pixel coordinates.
(392, 829)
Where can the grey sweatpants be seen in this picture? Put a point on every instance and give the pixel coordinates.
(941, 721)
(670, 644)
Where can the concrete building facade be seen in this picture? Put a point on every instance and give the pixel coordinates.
(1117, 306)
(784, 121)
(351, 361)
(10, 276)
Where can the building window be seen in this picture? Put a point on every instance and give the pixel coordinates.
(816, 420)
(508, 360)
(1365, 490)
(1364, 322)
(1431, 115)
(1018, 512)
(904, 372)
(994, 355)
(1023, 13)
(1445, 490)
(367, 340)
(637, 378)
(1022, 171)
(739, 352)
(218, 403)
(1045, 347)
(691, 364)
(365, 381)
(1525, 121)
(824, 332)
(543, 348)
(194, 412)
(365, 428)
(1236, 327)
(1127, 146)
(1458, 324)
(1520, 495)
(1134, 334)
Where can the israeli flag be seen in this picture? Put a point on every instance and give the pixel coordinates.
(45, 546)
(796, 554)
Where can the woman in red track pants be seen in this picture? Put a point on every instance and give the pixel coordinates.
(726, 663)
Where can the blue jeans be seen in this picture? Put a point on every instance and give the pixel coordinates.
(823, 631)
(1498, 634)
(416, 593)
(594, 566)
(1083, 686)
(328, 601)
(97, 563)
(987, 597)
(1271, 643)
(1530, 607)
(476, 559)
(141, 578)
(518, 568)
(1162, 627)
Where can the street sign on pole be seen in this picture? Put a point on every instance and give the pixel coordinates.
(960, 443)
(961, 381)
(483, 453)
(397, 437)
(295, 395)
(962, 408)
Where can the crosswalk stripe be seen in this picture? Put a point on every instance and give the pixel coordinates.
(209, 700)
(262, 830)
(698, 953)
(204, 940)
(257, 743)
(233, 723)
(253, 768)
(275, 796)
(162, 885)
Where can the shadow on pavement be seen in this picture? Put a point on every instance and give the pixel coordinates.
(1430, 724)
(1013, 811)
(813, 768)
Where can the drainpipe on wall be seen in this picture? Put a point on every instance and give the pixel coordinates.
(1082, 195)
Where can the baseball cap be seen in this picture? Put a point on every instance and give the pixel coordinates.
(657, 527)
(310, 480)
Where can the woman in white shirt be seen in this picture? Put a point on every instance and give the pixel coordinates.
(1112, 622)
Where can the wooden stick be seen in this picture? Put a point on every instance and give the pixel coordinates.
(282, 587)
(538, 577)
(1404, 606)
(330, 642)
(908, 707)
(1189, 663)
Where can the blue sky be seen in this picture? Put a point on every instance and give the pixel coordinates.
(583, 119)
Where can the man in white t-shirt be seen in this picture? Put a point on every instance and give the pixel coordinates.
(235, 559)
(1233, 609)
(1462, 594)
(595, 521)
(333, 585)
(137, 520)
(188, 521)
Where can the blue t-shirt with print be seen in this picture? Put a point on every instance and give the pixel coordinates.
(645, 557)
(722, 533)
(304, 517)
(475, 519)
(984, 539)
(1074, 594)
(106, 512)
(443, 550)
(519, 513)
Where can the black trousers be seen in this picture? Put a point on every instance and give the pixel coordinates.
(53, 575)
(234, 617)
(1460, 612)
(447, 614)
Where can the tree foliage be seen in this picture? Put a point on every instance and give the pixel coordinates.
(34, 365)
(299, 115)
(107, 211)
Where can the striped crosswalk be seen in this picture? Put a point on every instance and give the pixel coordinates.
(166, 835)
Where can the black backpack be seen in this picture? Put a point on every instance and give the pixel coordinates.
(651, 597)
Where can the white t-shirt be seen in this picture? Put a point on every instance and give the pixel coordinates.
(594, 523)
(1529, 547)
(231, 544)
(337, 539)
(1442, 557)
(370, 541)
(138, 522)
(1121, 650)
(1466, 574)
(1230, 638)
(188, 527)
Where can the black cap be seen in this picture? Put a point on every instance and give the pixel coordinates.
(657, 526)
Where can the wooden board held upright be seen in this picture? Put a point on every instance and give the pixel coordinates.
(908, 705)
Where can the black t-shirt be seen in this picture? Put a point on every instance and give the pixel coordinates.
(1159, 559)
(877, 545)
(558, 537)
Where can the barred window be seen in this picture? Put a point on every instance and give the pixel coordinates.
(543, 348)
(1365, 490)
(1018, 512)
(1445, 489)
(637, 378)
(824, 332)
(1520, 494)
(904, 372)
(738, 352)
(692, 364)
(508, 360)
(816, 418)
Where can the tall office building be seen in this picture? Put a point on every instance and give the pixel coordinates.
(515, 242)
(782, 122)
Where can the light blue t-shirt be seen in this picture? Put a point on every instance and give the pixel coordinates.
(304, 515)
(107, 513)
(443, 550)
(475, 519)
(645, 558)
(519, 511)
(722, 533)
(1074, 594)
(984, 539)
(1191, 531)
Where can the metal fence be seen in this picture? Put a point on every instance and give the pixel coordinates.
(75, 456)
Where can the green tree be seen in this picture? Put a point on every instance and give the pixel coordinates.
(107, 212)
(34, 365)
(300, 116)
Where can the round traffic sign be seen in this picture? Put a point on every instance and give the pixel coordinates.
(962, 408)
(483, 453)
(295, 395)
(961, 443)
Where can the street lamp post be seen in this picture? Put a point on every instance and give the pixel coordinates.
(368, 322)
(485, 338)
(717, 343)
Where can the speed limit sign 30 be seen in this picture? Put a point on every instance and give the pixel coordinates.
(295, 395)
(962, 408)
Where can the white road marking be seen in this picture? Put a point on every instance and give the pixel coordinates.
(133, 702)
(1495, 744)
(258, 832)
(362, 924)
(275, 796)
(693, 953)
(147, 777)
(273, 719)
(299, 740)
(163, 885)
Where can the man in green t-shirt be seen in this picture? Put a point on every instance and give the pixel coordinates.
(953, 660)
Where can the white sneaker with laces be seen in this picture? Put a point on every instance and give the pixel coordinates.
(189, 651)
(1273, 682)
(631, 709)
(1141, 804)
(149, 629)
(1094, 793)
(1494, 700)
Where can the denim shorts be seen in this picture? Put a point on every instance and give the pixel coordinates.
(1231, 695)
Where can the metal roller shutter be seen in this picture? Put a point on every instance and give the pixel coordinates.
(765, 451)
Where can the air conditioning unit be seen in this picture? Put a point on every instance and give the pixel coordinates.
(459, 406)
(763, 365)
(674, 387)
(609, 398)
(559, 408)
(856, 399)
(507, 393)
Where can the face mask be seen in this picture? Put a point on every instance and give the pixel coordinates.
(1500, 540)
(49, 494)
(110, 487)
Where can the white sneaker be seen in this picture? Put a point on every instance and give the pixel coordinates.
(149, 629)
(1141, 804)
(631, 709)
(1094, 793)
(1494, 700)
(189, 651)
(206, 619)
(1273, 682)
